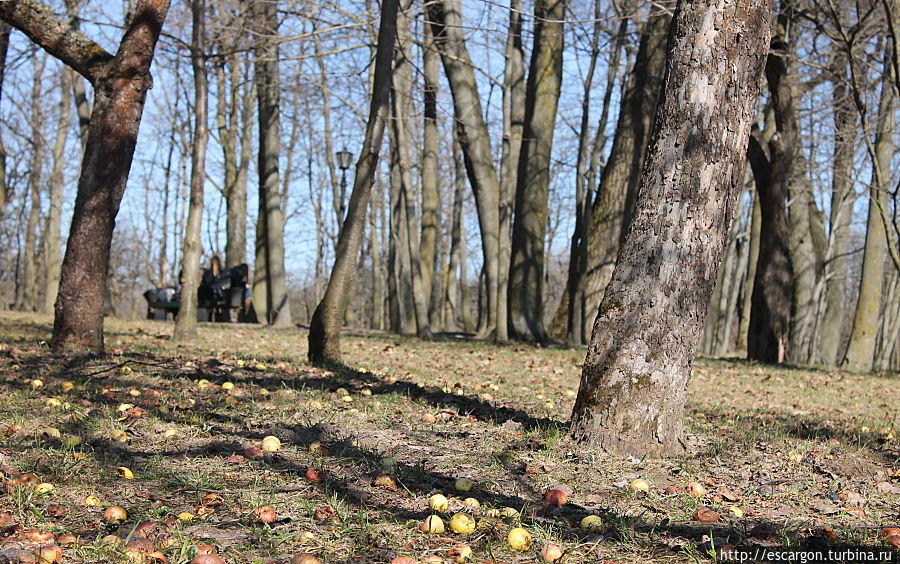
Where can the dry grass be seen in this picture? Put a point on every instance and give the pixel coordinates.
(798, 449)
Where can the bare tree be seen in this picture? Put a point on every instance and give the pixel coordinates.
(4, 48)
(52, 243)
(325, 327)
(634, 384)
(120, 86)
(526, 270)
(186, 320)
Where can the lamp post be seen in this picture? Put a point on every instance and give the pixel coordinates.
(344, 160)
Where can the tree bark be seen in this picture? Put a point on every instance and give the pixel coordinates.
(276, 306)
(860, 356)
(513, 125)
(431, 147)
(610, 211)
(837, 260)
(526, 271)
(120, 87)
(325, 327)
(4, 48)
(186, 320)
(773, 287)
(52, 243)
(752, 261)
(634, 384)
(26, 288)
(446, 25)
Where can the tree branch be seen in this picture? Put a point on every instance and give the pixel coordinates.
(71, 46)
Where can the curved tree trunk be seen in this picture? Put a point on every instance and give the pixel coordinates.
(325, 327)
(120, 88)
(186, 320)
(4, 48)
(634, 384)
(526, 270)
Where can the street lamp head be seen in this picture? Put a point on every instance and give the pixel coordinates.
(344, 159)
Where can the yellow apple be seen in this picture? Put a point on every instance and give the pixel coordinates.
(462, 524)
(592, 523)
(432, 524)
(518, 539)
(464, 485)
(639, 485)
(438, 502)
(271, 444)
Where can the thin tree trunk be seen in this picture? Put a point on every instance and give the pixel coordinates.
(446, 25)
(52, 243)
(526, 271)
(860, 356)
(377, 321)
(610, 212)
(4, 48)
(120, 86)
(634, 384)
(837, 261)
(26, 289)
(325, 327)
(431, 147)
(513, 125)
(752, 261)
(402, 310)
(415, 299)
(186, 320)
(277, 306)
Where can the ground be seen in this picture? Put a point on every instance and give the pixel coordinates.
(788, 456)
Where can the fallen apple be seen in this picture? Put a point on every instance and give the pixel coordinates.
(464, 485)
(438, 502)
(125, 472)
(551, 552)
(44, 488)
(53, 402)
(432, 525)
(639, 485)
(48, 554)
(460, 553)
(114, 514)
(66, 539)
(271, 444)
(696, 489)
(472, 503)
(266, 514)
(71, 441)
(92, 501)
(428, 418)
(185, 517)
(305, 558)
(37, 383)
(462, 524)
(313, 475)
(67, 386)
(119, 436)
(51, 432)
(207, 559)
(736, 511)
(227, 386)
(556, 498)
(519, 539)
(592, 523)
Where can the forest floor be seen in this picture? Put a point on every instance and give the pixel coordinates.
(794, 457)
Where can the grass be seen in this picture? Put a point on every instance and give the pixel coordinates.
(803, 451)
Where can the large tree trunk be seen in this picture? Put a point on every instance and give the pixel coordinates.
(860, 356)
(120, 87)
(513, 125)
(773, 286)
(276, 306)
(186, 320)
(610, 212)
(52, 243)
(26, 288)
(402, 312)
(446, 24)
(526, 270)
(634, 384)
(325, 327)
(837, 260)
